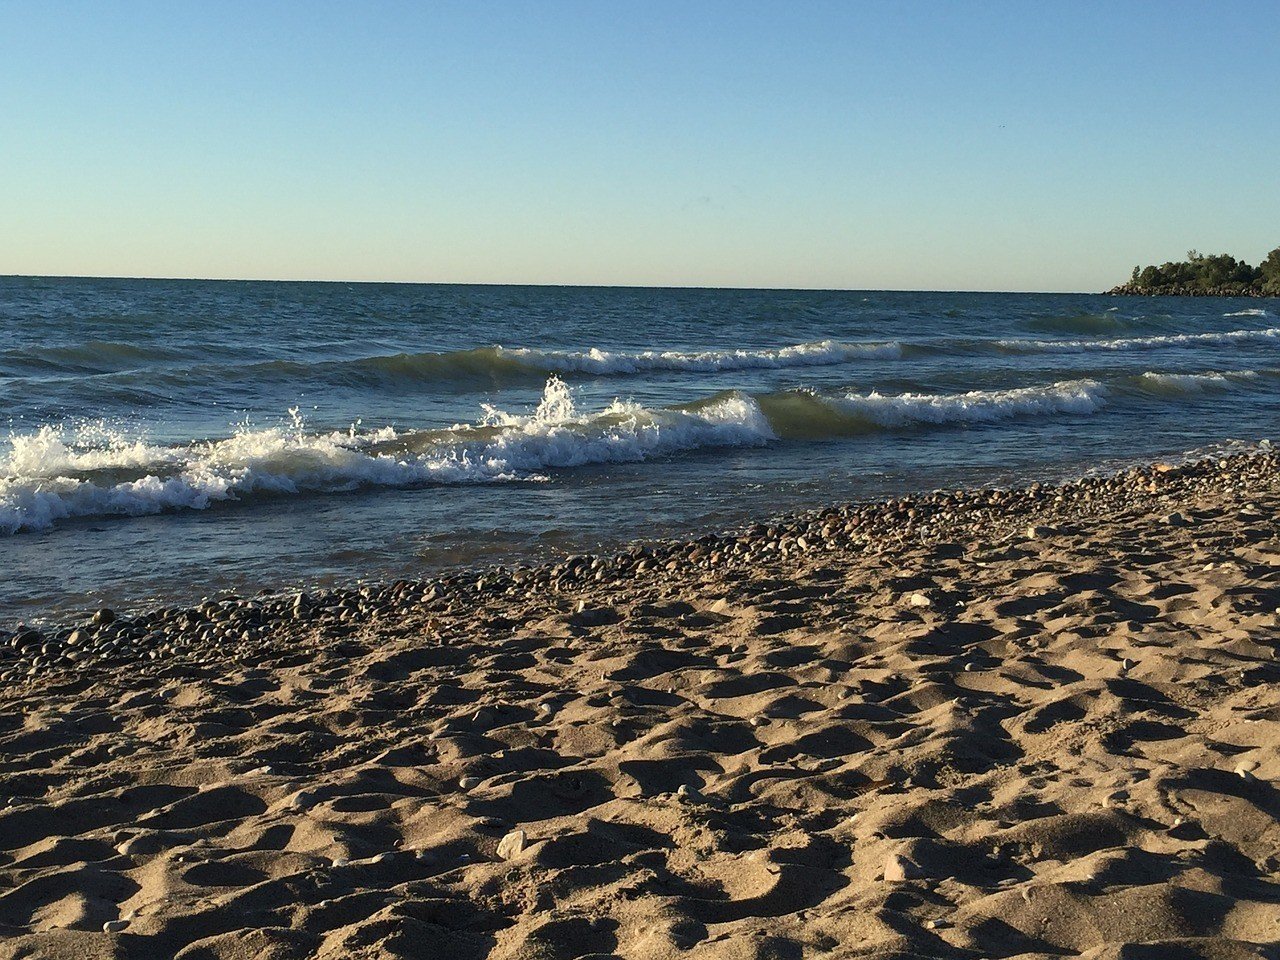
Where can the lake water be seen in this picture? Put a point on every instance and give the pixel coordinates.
(168, 440)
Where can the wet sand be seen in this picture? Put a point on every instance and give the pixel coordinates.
(988, 724)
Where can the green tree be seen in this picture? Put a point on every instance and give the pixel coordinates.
(1215, 273)
(1269, 273)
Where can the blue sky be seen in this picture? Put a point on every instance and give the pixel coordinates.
(1006, 146)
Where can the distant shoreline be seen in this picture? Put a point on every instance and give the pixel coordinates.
(1129, 290)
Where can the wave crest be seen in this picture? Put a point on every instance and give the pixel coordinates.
(95, 470)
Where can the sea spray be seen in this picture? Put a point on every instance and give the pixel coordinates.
(58, 473)
(289, 460)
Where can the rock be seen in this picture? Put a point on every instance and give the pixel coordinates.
(1175, 520)
(103, 617)
(1245, 768)
(302, 800)
(919, 600)
(898, 869)
(593, 617)
(467, 783)
(115, 926)
(512, 845)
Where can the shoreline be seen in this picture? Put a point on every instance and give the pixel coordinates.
(1025, 723)
(153, 634)
(1219, 293)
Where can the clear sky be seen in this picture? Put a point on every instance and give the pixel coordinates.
(948, 145)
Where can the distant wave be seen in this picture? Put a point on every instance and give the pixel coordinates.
(1136, 343)
(1100, 323)
(976, 406)
(804, 414)
(58, 473)
(481, 363)
(88, 358)
(1251, 312)
(821, 353)
(525, 362)
(488, 367)
(1175, 384)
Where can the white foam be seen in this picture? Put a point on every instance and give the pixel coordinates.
(975, 406)
(1137, 343)
(1251, 312)
(604, 362)
(46, 484)
(55, 450)
(1194, 382)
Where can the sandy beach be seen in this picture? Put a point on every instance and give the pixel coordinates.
(1031, 723)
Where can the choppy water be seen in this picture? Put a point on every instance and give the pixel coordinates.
(164, 440)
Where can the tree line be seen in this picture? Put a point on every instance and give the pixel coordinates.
(1207, 275)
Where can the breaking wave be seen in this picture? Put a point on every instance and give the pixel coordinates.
(61, 472)
(1137, 343)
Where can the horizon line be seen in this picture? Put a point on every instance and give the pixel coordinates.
(586, 286)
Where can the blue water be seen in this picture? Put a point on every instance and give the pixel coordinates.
(167, 440)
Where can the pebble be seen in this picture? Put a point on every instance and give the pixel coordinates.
(512, 845)
(898, 869)
(302, 800)
(115, 926)
(1244, 769)
(164, 636)
(468, 783)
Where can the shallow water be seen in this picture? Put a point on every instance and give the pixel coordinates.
(166, 440)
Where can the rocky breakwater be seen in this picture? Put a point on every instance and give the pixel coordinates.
(1189, 290)
(231, 627)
